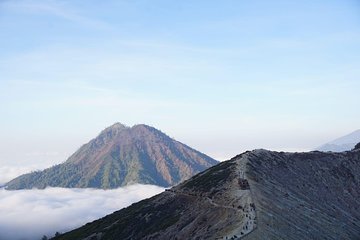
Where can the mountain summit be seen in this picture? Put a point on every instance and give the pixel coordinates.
(119, 156)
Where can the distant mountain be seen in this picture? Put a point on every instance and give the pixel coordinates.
(341, 144)
(256, 195)
(120, 156)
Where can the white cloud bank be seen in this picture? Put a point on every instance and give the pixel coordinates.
(30, 214)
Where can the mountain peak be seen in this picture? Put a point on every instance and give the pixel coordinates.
(120, 127)
(117, 126)
(119, 156)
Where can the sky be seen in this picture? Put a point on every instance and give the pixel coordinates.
(22, 212)
(221, 76)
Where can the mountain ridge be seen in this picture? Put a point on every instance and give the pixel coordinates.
(120, 156)
(256, 194)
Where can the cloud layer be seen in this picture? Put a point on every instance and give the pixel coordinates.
(30, 214)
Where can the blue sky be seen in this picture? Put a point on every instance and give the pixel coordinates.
(220, 76)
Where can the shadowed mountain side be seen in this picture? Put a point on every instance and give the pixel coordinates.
(256, 195)
(120, 156)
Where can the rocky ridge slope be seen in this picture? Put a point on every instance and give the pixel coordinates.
(119, 156)
(256, 195)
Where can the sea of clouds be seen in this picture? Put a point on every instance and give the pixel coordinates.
(30, 214)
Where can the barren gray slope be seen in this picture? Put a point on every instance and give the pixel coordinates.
(256, 195)
(205, 207)
(305, 195)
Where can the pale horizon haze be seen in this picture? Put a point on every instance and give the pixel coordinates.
(220, 76)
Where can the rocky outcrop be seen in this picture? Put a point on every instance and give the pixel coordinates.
(256, 195)
(119, 156)
(357, 146)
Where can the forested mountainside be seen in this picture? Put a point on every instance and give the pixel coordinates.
(119, 156)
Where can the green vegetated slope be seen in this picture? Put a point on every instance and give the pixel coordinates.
(120, 156)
